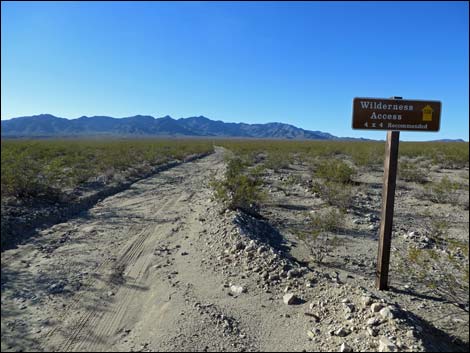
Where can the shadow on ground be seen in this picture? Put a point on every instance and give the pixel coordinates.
(434, 339)
(261, 230)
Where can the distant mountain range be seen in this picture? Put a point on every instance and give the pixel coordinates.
(47, 125)
(447, 140)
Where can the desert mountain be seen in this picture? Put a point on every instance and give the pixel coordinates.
(46, 125)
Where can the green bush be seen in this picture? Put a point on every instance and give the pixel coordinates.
(291, 180)
(367, 154)
(443, 191)
(334, 170)
(277, 160)
(320, 227)
(335, 186)
(444, 155)
(334, 193)
(21, 176)
(412, 172)
(239, 189)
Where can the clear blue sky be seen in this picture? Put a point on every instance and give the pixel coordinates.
(295, 62)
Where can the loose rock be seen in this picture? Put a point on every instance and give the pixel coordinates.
(345, 348)
(385, 345)
(376, 307)
(289, 298)
(386, 313)
(237, 289)
(342, 332)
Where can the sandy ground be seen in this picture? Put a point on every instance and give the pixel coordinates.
(117, 288)
(152, 269)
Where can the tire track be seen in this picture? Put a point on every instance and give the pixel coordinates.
(130, 253)
(108, 324)
(134, 260)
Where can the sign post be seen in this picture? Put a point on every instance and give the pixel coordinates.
(392, 115)
(388, 203)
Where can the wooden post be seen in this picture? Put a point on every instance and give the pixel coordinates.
(388, 199)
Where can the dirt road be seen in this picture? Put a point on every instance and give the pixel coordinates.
(158, 267)
(132, 273)
(115, 277)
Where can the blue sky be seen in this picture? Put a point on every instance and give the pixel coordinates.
(300, 63)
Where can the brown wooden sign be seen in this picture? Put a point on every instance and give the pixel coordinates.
(396, 114)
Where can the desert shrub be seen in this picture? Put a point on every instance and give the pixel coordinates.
(368, 154)
(277, 160)
(334, 170)
(366, 159)
(318, 236)
(443, 191)
(335, 186)
(439, 231)
(409, 171)
(251, 158)
(239, 189)
(292, 179)
(334, 193)
(257, 171)
(21, 176)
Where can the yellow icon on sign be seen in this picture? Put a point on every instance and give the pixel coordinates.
(427, 113)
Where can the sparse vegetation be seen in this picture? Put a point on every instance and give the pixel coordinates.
(368, 155)
(453, 155)
(443, 268)
(291, 180)
(45, 168)
(364, 154)
(336, 228)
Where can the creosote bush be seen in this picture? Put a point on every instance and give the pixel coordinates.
(443, 191)
(291, 180)
(22, 176)
(335, 185)
(409, 171)
(335, 194)
(334, 170)
(319, 235)
(277, 160)
(240, 188)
